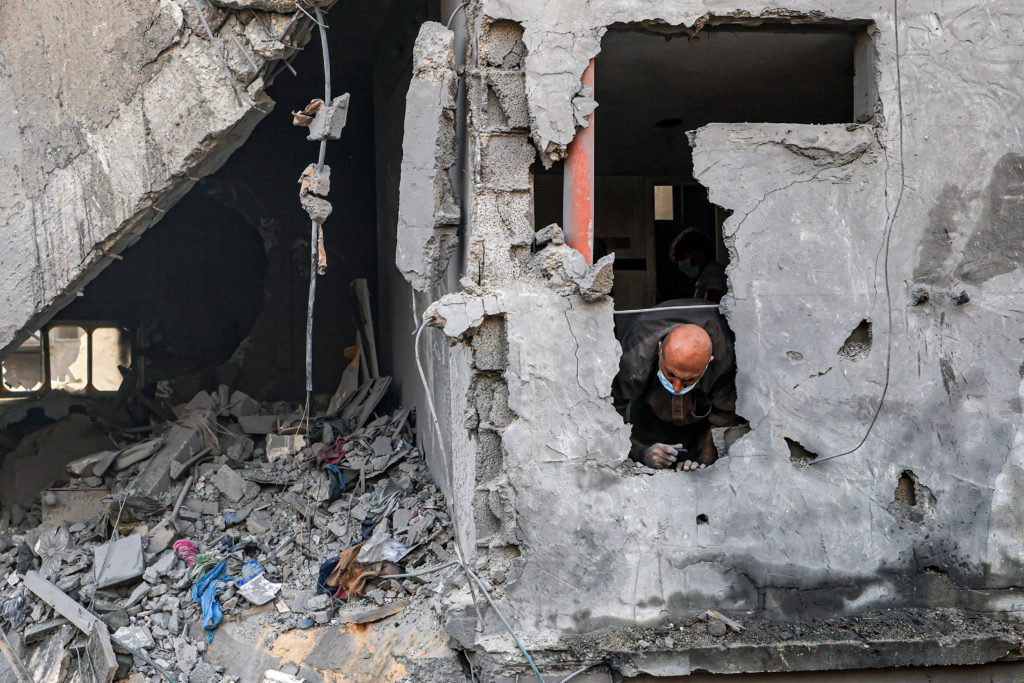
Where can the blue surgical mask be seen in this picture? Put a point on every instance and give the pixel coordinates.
(670, 389)
(685, 390)
(689, 269)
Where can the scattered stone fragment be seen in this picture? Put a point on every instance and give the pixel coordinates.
(137, 637)
(230, 483)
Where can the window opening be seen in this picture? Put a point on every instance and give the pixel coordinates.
(76, 358)
(652, 89)
(24, 371)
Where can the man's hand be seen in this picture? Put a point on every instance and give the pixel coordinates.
(707, 457)
(661, 456)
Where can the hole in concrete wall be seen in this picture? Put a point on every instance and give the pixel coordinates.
(905, 489)
(858, 345)
(702, 518)
(656, 86)
(798, 455)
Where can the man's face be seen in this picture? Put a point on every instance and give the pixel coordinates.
(684, 371)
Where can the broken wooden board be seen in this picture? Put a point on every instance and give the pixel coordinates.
(362, 294)
(732, 625)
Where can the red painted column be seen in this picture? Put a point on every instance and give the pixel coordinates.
(578, 188)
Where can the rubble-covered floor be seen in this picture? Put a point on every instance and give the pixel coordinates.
(243, 482)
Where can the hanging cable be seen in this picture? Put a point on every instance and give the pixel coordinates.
(508, 627)
(889, 233)
(315, 229)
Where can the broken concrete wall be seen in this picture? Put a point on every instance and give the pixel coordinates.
(870, 284)
(428, 215)
(114, 111)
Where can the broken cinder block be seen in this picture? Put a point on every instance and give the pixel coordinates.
(330, 120)
(280, 446)
(229, 482)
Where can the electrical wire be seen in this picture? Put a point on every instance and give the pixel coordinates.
(666, 308)
(888, 239)
(577, 672)
(454, 12)
(314, 238)
(508, 627)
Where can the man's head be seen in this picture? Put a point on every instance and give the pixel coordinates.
(691, 249)
(683, 355)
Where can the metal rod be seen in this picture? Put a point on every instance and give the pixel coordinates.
(578, 183)
(315, 227)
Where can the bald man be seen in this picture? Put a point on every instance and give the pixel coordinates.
(678, 373)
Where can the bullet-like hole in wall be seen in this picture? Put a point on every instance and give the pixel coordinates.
(905, 490)
(798, 455)
(858, 345)
(702, 518)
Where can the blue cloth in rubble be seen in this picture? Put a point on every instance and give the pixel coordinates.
(325, 573)
(205, 593)
(338, 481)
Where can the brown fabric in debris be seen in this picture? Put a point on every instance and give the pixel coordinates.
(349, 577)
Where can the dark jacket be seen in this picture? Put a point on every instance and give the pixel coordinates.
(656, 415)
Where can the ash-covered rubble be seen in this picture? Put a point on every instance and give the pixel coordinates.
(234, 510)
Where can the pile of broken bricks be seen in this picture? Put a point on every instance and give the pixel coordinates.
(98, 576)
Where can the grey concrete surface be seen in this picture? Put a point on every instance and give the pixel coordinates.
(905, 224)
(111, 112)
(428, 215)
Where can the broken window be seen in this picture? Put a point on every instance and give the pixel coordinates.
(76, 358)
(654, 86)
(23, 370)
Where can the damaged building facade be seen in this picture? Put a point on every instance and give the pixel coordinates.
(858, 164)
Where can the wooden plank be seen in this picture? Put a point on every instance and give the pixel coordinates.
(733, 625)
(362, 294)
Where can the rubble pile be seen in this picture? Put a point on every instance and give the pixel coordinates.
(232, 510)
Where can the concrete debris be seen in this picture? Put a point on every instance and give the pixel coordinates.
(118, 561)
(137, 637)
(567, 272)
(428, 214)
(330, 120)
(317, 208)
(278, 6)
(552, 233)
(229, 482)
(241, 404)
(283, 446)
(298, 497)
(313, 182)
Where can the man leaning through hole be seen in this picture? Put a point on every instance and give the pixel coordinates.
(678, 372)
